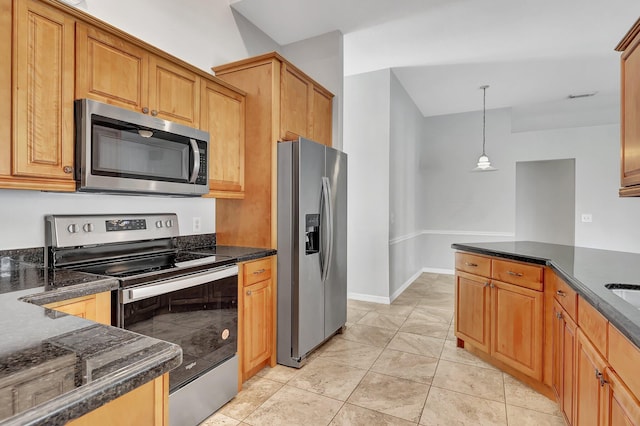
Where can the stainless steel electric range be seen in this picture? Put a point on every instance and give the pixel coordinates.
(183, 297)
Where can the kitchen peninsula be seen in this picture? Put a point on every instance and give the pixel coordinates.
(542, 313)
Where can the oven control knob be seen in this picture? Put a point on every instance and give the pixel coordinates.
(73, 228)
(87, 227)
(158, 224)
(169, 223)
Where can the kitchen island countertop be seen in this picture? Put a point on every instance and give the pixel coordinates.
(586, 270)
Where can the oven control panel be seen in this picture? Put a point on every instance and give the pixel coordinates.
(72, 230)
(125, 224)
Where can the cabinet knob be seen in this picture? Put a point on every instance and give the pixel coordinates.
(559, 315)
(145, 110)
(248, 292)
(492, 285)
(67, 169)
(154, 112)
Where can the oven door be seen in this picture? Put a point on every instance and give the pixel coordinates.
(199, 312)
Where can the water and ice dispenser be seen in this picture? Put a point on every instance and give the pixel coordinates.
(312, 231)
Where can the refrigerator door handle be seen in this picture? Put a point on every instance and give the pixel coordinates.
(326, 229)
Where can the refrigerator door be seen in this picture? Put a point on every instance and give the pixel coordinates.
(335, 296)
(308, 291)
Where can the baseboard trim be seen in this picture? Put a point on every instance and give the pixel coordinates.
(438, 271)
(368, 298)
(404, 286)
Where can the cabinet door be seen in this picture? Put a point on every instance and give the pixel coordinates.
(110, 70)
(258, 324)
(516, 327)
(322, 116)
(630, 126)
(473, 304)
(174, 92)
(43, 92)
(96, 307)
(589, 389)
(296, 103)
(223, 115)
(564, 343)
(623, 407)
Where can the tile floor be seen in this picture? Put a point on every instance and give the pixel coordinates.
(394, 365)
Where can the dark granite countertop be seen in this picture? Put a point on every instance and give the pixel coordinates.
(88, 363)
(241, 254)
(586, 270)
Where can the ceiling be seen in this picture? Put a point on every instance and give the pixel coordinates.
(531, 52)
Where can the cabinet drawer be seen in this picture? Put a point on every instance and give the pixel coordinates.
(566, 296)
(593, 324)
(473, 264)
(257, 271)
(521, 274)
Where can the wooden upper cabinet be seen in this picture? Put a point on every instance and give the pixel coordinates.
(306, 107)
(223, 116)
(43, 93)
(113, 70)
(322, 118)
(630, 109)
(110, 69)
(174, 92)
(296, 103)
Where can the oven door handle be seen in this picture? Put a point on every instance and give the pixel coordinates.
(168, 286)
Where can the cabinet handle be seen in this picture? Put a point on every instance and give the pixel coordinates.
(67, 169)
(154, 112)
(600, 377)
(248, 292)
(259, 271)
(492, 285)
(486, 284)
(561, 293)
(515, 274)
(473, 265)
(145, 110)
(559, 315)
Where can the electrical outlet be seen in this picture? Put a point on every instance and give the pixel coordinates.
(197, 224)
(587, 218)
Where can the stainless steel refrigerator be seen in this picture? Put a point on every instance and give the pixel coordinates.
(312, 247)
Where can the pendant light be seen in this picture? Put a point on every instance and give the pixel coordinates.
(484, 165)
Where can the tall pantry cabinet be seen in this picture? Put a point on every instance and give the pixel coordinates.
(282, 103)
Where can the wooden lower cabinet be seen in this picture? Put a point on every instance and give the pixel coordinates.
(147, 405)
(473, 305)
(516, 327)
(95, 307)
(590, 383)
(501, 319)
(564, 350)
(256, 323)
(623, 407)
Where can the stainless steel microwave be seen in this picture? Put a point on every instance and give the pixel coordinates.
(123, 151)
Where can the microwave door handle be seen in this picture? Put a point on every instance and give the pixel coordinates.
(196, 160)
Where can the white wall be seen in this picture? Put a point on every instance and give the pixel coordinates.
(404, 140)
(366, 141)
(460, 206)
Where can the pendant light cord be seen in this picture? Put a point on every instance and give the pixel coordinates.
(484, 115)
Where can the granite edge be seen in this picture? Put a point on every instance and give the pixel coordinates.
(74, 404)
(257, 255)
(629, 329)
(100, 285)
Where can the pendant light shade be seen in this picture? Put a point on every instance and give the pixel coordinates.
(484, 165)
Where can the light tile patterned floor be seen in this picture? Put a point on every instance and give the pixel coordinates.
(394, 365)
